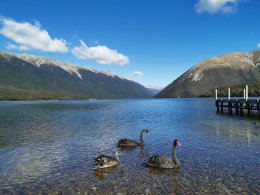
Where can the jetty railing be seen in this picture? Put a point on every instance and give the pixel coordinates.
(240, 105)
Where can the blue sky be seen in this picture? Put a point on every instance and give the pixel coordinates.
(148, 41)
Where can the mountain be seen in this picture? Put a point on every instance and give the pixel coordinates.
(225, 70)
(154, 89)
(25, 76)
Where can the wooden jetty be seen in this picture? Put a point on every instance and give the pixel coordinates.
(240, 106)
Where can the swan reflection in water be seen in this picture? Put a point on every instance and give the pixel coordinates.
(130, 150)
(100, 174)
(171, 173)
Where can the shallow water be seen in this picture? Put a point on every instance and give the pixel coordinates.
(49, 147)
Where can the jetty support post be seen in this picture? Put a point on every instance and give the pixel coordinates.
(217, 101)
(229, 102)
(258, 107)
(221, 106)
(244, 104)
(248, 104)
(217, 105)
(237, 106)
(246, 92)
(241, 108)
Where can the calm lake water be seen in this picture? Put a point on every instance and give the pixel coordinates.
(49, 147)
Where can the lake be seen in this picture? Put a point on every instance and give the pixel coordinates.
(49, 147)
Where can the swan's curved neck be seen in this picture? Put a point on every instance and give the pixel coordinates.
(142, 137)
(174, 156)
(117, 157)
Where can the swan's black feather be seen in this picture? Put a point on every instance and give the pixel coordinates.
(131, 143)
(127, 142)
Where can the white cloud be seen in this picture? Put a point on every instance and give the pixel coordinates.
(28, 36)
(138, 74)
(102, 54)
(11, 46)
(258, 45)
(216, 6)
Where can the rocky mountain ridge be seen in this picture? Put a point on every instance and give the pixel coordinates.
(225, 70)
(23, 74)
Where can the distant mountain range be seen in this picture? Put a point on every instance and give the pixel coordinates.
(154, 89)
(225, 70)
(27, 77)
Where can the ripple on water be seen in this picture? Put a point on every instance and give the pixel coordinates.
(49, 147)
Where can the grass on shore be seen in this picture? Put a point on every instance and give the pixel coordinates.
(12, 94)
(236, 90)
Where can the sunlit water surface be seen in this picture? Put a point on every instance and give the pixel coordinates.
(49, 147)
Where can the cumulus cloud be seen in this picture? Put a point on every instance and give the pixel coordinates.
(138, 74)
(216, 6)
(258, 45)
(102, 54)
(28, 36)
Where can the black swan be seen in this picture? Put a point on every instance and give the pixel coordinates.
(164, 162)
(104, 161)
(131, 143)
